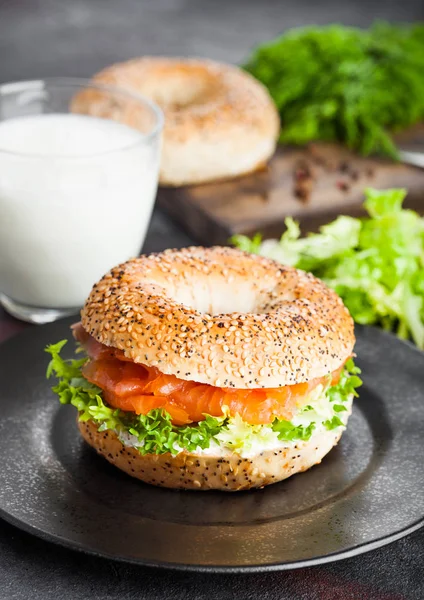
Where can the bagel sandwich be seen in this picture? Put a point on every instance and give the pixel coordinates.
(210, 368)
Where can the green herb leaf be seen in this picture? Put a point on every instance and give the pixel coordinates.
(345, 84)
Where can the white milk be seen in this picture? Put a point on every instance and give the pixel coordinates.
(76, 204)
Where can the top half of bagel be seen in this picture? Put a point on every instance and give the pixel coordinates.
(222, 317)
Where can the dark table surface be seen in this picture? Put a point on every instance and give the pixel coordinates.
(41, 38)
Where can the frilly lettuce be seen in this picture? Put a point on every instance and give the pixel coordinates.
(324, 405)
(375, 264)
(154, 432)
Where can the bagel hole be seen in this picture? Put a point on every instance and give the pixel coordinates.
(218, 298)
(182, 89)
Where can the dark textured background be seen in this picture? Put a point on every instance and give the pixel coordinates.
(41, 38)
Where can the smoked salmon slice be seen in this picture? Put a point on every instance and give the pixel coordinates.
(138, 388)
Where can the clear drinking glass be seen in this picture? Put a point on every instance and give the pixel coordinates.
(79, 165)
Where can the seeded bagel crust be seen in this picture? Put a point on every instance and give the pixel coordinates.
(220, 122)
(229, 472)
(222, 317)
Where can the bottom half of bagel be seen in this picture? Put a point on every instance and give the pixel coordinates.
(219, 470)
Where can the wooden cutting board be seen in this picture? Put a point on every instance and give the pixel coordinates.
(335, 177)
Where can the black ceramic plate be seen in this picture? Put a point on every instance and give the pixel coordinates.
(367, 492)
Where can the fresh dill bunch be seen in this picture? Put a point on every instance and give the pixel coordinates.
(344, 84)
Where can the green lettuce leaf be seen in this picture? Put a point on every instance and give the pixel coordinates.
(375, 264)
(154, 432)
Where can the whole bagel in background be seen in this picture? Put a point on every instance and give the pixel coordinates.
(220, 122)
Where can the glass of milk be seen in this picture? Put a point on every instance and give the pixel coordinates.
(79, 167)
